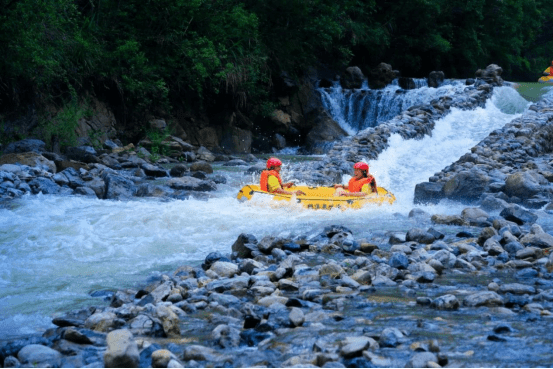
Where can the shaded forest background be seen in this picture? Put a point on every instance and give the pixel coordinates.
(145, 58)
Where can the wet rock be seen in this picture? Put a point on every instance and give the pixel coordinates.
(399, 261)
(518, 215)
(226, 336)
(422, 360)
(11, 362)
(161, 358)
(103, 322)
(39, 356)
(448, 220)
(419, 235)
(524, 185)
(191, 184)
(169, 321)
(122, 350)
(428, 193)
(485, 298)
(224, 269)
(354, 346)
(203, 353)
(538, 238)
(352, 78)
(446, 302)
(118, 187)
(26, 145)
(517, 289)
(296, 317)
(391, 337)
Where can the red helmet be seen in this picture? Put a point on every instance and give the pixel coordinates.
(273, 162)
(361, 165)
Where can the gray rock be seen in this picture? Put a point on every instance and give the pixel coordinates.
(26, 145)
(524, 185)
(118, 187)
(518, 215)
(422, 360)
(192, 184)
(153, 170)
(296, 316)
(39, 356)
(446, 302)
(399, 260)
(484, 298)
(517, 289)
(354, 346)
(122, 350)
(391, 337)
(226, 336)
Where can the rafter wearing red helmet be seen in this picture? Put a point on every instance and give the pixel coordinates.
(361, 184)
(271, 182)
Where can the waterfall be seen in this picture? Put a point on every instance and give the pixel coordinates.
(357, 109)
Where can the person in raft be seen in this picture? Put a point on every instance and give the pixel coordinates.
(271, 182)
(361, 184)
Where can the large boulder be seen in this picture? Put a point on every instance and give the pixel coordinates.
(352, 78)
(381, 76)
(428, 192)
(118, 187)
(325, 131)
(466, 186)
(36, 356)
(122, 350)
(192, 184)
(518, 215)
(237, 140)
(524, 184)
(491, 74)
(435, 78)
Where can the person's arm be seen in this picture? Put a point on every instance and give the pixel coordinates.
(274, 187)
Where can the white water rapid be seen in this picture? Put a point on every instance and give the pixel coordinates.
(55, 251)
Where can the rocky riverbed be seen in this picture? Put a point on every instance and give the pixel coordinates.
(473, 289)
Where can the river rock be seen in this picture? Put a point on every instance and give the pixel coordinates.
(435, 78)
(122, 350)
(354, 346)
(428, 192)
(352, 78)
(85, 154)
(201, 166)
(525, 184)
(103, 322)
(381, 76)
(423, 360)
(26, 145)
(39, 356)
(538, 238)
(192, 184)
(446, 302)
(399, 261)
(296, 317)
(484, 298)
(517, 289)
(31, 159)
(169, 320)
(225, 269)
(118, 187)
(466, 186)
(491, 74)
(391, 337)
(205, 155)
(518, 215)
(419, 235)
(203, 353)
(226, 336)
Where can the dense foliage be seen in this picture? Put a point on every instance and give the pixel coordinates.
(153, 55)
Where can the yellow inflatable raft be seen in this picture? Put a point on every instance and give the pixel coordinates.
(546, 79)
(319, 197)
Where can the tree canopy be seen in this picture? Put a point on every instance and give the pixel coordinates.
(151, 55)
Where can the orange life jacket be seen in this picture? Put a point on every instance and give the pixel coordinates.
(265, 178)
(551, 70)
(355, 185)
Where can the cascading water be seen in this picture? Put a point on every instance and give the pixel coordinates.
(55, 251)
(355, 110)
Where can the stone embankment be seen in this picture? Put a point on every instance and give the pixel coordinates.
(329, 300)
(512, 165)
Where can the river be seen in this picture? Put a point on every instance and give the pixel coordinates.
(57, 253)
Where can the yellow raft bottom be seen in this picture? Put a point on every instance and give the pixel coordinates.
(546, 79)
(319, 197)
